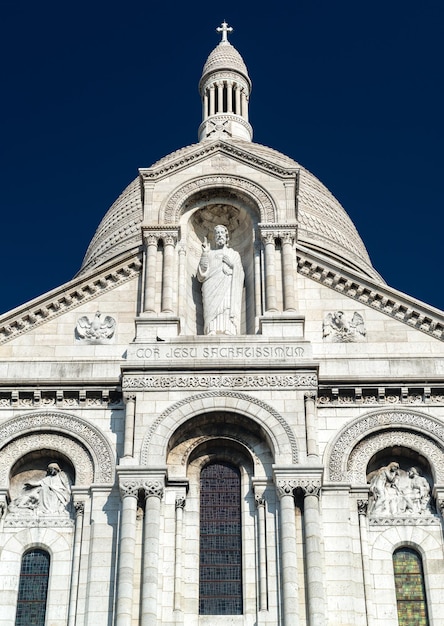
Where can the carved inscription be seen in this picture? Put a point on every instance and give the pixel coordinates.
(165, 352)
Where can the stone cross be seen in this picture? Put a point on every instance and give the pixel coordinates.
(224, 29)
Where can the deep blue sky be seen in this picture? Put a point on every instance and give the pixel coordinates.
(91, 91)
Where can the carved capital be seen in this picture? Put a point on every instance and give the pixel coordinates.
(180, 502)
(268, 238)
(362, 507)
(153, 489)
(129, 488)
(151, 239)
(285, 488)
(79, 508)
(310, 395)
(312, 488)
(129, 397)
(260, 501)
(288, 237)
(440, 506)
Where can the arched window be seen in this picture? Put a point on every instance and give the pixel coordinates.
(220, 584)
(33, 589)
(409, 585)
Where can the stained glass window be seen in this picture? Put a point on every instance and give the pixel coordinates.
(410, 591)
(33, 589)
(220, 585)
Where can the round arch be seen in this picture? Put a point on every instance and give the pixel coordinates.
(350, 451)
(279, 436)
(176, 203)
(70, 435)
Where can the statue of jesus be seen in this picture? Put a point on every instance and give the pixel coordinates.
(222, 276)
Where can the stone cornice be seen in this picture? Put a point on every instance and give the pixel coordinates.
(183, 158)
(70, 295)
(378, 296)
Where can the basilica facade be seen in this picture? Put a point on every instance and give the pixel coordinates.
(227, 416)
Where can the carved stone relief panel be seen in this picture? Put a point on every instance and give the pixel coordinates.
(340, 327)
(96, 330)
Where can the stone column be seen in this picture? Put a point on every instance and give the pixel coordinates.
(180, 505)
(244, 105)
(237, 94)
(262, 541)
(220, 98)
(212, 100)
(229, 97)
(365, 559)
(205, 105)
(168, 273)
(129, 490)
(130, 412)
(288, 270)
(78, 532)
(315, 582)
(270, 272)
(290, 588)
(181, 294)
(150, 578)
(310, 425)
(257, 279)
(151, 240)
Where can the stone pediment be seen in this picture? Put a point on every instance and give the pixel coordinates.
(68, 296)
(381, 297)
(220, 153)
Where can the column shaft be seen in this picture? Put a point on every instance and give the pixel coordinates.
(289, 560)
(368, 587)
(180, 504)
(238, 100)
(125, 582)
(150, 582)
(168, 274)
(212, 99)
(150, 274)
(315, 583)
(130, 411)
(263, 590)
(288, 273)
(220, 97)
(229, 97)
(270, 273)
(310, 425)
(78, 532)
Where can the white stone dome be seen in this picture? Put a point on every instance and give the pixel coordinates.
(323, 224)
(225, 57)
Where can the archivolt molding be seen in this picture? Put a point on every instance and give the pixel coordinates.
(170, 212)
(351, 450)
(54, 425)
(279, 432)
(73, 450)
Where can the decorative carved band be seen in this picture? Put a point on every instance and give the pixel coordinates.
(374, 394)
(215, 381)
(61, 398)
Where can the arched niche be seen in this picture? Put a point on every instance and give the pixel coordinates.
(370, 439)
(203, 211)
(60, 435)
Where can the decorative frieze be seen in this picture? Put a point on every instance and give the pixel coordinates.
(66, 399)
(217, 381)
(374, 395)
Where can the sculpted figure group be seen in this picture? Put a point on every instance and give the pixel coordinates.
(396, 492)
(48, 496)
